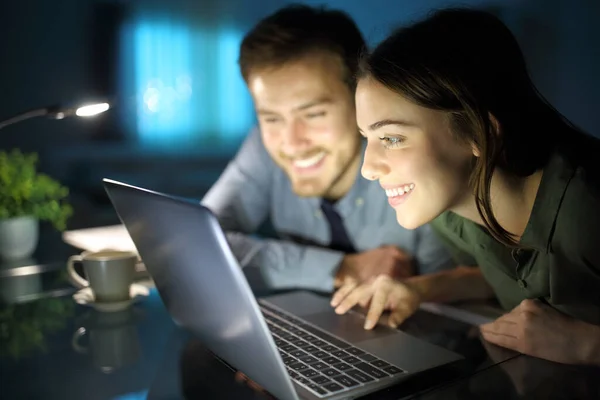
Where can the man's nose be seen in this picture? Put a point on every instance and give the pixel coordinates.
(295, 137)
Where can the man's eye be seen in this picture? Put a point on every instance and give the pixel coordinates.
(316, 114)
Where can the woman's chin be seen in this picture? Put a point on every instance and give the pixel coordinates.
(410, 221)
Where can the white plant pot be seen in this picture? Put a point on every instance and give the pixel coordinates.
(19, 288)
(18, 237)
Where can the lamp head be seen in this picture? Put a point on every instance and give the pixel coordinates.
(91, 109)
(88, 110)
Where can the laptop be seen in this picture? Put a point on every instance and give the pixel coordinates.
(293, 345)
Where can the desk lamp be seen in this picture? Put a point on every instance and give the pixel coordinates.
(56, 112)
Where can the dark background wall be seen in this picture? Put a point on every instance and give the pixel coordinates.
(64, 52)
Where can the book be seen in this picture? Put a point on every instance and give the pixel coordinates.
(113, 237)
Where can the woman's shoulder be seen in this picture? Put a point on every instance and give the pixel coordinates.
(582, 157)
(448, 223)
(577, 223)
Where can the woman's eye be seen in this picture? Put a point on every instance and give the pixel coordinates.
(391, 141)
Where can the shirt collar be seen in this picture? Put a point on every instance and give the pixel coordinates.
(553, 186)
(347, 204)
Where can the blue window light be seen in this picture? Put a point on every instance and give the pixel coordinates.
(143, 395)
(188, 87)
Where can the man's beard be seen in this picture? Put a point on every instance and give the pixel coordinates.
(315, 182)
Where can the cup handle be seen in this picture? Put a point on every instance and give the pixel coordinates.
(79, 333)
(74, 277)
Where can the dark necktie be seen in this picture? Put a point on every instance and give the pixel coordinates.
(339, 237)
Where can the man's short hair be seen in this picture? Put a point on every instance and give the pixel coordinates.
(297, 30)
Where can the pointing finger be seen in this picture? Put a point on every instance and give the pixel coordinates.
(342, 292)
(377, 306)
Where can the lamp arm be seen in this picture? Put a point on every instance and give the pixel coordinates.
(39, 112)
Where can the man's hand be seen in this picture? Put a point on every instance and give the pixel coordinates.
(382, 293)
(538, 330)
(242, 378)
(385, 260)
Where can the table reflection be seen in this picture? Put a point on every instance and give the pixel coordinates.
(109, 339)
(25, 327)
(525, 378)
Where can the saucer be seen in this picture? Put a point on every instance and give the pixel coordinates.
(86, 297)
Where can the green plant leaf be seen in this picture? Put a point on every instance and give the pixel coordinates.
(25, 192)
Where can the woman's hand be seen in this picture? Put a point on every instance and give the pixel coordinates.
(382, 293)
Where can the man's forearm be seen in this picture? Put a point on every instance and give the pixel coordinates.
(595, 354)
(591, 353)
(461, 283)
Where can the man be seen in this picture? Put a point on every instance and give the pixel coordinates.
(301, 170)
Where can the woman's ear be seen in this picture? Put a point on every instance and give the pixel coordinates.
(495, 130)
(475, 150)
(495, 125)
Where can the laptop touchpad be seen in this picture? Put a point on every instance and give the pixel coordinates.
(348, 326)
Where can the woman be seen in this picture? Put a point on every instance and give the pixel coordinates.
(459, 137)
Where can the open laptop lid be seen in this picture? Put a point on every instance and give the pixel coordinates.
(199, 280)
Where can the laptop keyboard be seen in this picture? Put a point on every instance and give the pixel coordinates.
(320, 362)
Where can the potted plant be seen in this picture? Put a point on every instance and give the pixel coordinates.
(27, 197)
